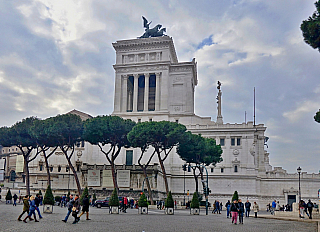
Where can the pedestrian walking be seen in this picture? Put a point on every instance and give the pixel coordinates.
(273, 206)
(301, 209)
(310, 207)
(248, 206)
(228, 205)
(25, 207)
(32, 209)
(255, 209)
(37, 202)
(234, 211)
(241, 211)
(76, 209)
(15, 197)
(85, 207)
(70, 206)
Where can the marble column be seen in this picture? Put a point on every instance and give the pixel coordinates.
(135, 92)
(125, 93)
(157, 100)
(146, 92)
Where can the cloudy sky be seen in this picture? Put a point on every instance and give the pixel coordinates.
(56, 55)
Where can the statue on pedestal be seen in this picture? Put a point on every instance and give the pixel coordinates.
(153, 32)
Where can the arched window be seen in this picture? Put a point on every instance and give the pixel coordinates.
(12, 175)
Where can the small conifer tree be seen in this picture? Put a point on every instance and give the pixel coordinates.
(84, 193)
(48, 197)
(195, 201)
(40, 193)
(9, 196)
(169, 201)
(235, 196)
(68, 196)
(143, 202)
(94, 198)
(114, 200)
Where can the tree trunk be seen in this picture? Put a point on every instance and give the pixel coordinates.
(196, 179)
(74, 172)
(114, 176)
(26, 171)
(163, 173)
(148, 183)
(47, 167)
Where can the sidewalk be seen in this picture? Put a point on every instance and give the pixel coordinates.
(290, 218)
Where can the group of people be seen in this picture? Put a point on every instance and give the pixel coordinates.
(74, 208)
(306, 208)
(30, 206)
(237, 209)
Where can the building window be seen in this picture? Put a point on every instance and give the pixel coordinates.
(129, 157)
(59, 168)
(150, 119)
(222, 141)
(139, 119)
(236, 168)
(212, 169)
(9, 150)
(51, 169)
(78, 168)
(235, 141)
(67, 169)
(41, 167)
(82, 143)
(222, 170)
(177, 120)
(12, 175)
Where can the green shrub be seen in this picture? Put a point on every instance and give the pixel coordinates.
(195, 201)
(235, 196)
(94, 197)
(40, 193)
(68, 196)
(169, 201)
(143, 201)
(9, 196)
(84, 193)
(48, 197)
(114, 200)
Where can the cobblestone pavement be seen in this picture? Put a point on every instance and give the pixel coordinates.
(132, 221)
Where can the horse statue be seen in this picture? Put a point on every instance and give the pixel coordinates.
(153, 32)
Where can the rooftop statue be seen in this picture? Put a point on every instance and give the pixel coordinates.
(153, 32)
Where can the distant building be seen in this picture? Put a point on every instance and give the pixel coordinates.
(152, 85)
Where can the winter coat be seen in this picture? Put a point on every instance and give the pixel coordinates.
(32, 205)
(26, 205)
(248, 205)
(255, 208)
(241, 207)
(70, 204)
(234, 207)
(37, 201)
(85, 204)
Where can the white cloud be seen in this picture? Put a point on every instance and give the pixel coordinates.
(303, 109)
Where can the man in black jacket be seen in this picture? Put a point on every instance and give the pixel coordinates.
(37, 202)
(248, 206)
(70, 205)
(241, 211)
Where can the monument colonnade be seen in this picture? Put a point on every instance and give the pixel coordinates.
(131, 90)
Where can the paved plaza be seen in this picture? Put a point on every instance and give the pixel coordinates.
(133, 222)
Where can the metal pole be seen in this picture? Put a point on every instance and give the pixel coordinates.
(184, 188)
(299, 189)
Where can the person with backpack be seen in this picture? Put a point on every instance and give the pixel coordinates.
(228, 205)
(310, 207)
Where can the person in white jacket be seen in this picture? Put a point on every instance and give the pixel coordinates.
(255, 209)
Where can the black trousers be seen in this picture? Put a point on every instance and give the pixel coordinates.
(25, 211)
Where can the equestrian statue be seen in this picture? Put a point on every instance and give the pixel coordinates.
(153, 32)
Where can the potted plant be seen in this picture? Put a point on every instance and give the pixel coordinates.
(114, 203)
(195, 206)
(235, 196)
(143, 204)
(48, 201)
(8, 197)
(169, 204)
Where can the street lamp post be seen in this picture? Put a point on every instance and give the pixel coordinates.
(299, 172)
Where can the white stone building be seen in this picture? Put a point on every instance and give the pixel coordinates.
(151, 85)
